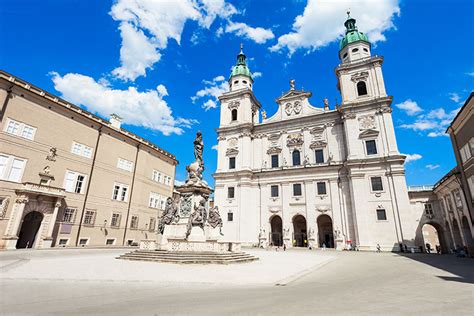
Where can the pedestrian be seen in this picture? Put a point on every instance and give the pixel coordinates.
(349, 247)
(378, 248)
(438, 249)
(428, 248)
(284, 247)
(324, 246)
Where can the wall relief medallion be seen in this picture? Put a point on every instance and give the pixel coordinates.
(232, 142)
(293, 108)
(366, 122)
(52, 154)
(294, 139)
(362, 75)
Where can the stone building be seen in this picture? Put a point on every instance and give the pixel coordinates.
(70, 178)
(309, 174)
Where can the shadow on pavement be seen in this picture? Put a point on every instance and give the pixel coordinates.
(462, 268)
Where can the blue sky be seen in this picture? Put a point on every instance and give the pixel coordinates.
(160, 64)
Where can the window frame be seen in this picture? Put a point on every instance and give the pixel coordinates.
(125, 164)
(375, 144)
(428, 209)
(229, 190)
(20, 129)
(293, 157)
(316, 155)
(384, 213)
(132, 222)
(114, 240)
(120, 192)
(372, 184)
(232, 166)
(234, 118)
(325, 188)
(365, 86)
(65, 244)
(75, 182)
(230, 216)
(92, 217)
(71, 216)
(273, 186)
(84, 150)
(86, 239)
(119, 219)
(277, 156)
(294, 185)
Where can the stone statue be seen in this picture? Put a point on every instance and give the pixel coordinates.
(169, 216)
(326, 104)
(198, 217)
(311, 233)
(292, 84)
(52, 154)
(286, 233)
(215, 219)
(264, 114)
(198, 148)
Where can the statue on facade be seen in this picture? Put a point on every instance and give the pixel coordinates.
(196, 168)
(215, 219)
(264, 114)
(198, 217)
(52, 154)
(292, 84)
(198, 148)
(170, 215)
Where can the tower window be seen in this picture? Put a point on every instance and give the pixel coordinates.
(381, 215)
(319, 155)
(355, 50)
(344, 56)
(234, 115)
(296, 158)
(230, 192)
(232, 163)
(274, 190)
(376, 183)
(245, 82)
(297, 189)
(365, 50)
(236, 81)
(361, 88)
(275, 163)
(371, 147)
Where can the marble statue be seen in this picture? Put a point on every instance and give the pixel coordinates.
(198, 217)
(215, 219)
(198, 148)
(170, 215)
(292, 84)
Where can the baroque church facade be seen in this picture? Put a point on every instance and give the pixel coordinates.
(310, 175)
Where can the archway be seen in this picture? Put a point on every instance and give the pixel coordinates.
(325, 232)
(29, 230)
(433, 238)
(277, 231)
(299, 231)
(457, 235)
(466, 230)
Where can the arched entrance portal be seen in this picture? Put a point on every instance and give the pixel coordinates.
(277, 231)
(431, 238)
(299, 231)
(325, 231)
(29, 230)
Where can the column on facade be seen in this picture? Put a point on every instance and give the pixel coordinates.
(338, 219)
(352, 139)
(389, 130)
(11, 233)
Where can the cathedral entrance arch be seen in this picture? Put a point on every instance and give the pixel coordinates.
(29, 230)
(299, 231)
(325, 231)
(433, 235)
(276, 237)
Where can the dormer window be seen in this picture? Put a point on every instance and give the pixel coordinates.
(355, 50)
(234, 115)
(361, 88)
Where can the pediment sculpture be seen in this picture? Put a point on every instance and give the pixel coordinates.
(294, 139)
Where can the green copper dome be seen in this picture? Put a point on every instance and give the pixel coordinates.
(241, 69)
(352, 34)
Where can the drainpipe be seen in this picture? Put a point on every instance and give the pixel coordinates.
(131, 194)
(88, 187)
(5, 102)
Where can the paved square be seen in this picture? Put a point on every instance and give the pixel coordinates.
(315, 282)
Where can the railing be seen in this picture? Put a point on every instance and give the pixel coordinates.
(420, 188)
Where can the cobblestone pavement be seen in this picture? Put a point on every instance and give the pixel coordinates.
(282, 283)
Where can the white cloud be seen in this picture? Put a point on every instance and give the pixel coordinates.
(146, 108)
(211, 91)
(453, 96)
(432, 167)
(470, 74)
(410, 107)
(257, 74)
(421, 125)
(322, 22)
(258, 34)
(179, 182)
(215, 147)
(412, 157)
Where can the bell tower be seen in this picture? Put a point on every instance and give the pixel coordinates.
(359, 74)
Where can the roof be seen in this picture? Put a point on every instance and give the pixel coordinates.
(446, 177)
(352, 34)
(49, 97)
(460, 111)
(241, 68)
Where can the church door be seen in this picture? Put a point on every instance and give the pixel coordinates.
(29, 230)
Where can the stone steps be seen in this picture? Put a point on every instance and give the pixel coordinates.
(188, 257)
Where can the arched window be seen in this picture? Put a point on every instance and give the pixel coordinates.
(234, 115)
(361, 88)
(355, 50)
(296, 158)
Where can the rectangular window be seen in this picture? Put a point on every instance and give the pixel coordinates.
(230, 217)
(297, 189)
(20, 129)
(232, 163)
(381, 215)
(156, 176)
(155, 200)
(376, 183)
(274, 190)
(110, 242)
(319, 155)
(134, 222)
(74, 182)
(230, 192)
(125, 164)
(371, 147)
(115, 222)
(69, 214)
(81, 150)
(63, 242)
(321, 188)
(470, 182)
(151, 226)
(89, 217)
(120, 192)
(428, 209)
(275, 162)
(83, 242)
(11, 168)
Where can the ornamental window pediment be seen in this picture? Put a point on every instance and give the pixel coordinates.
(360, 76)
(233, 105)
(232, 152)
(294, 139)
(370, 133)
(274, 150)
(317, 144)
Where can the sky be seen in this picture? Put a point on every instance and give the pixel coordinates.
(160, 64)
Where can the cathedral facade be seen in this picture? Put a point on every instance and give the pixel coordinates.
(309, 175)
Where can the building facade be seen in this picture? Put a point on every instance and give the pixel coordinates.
(70, 178)
(310, 175)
